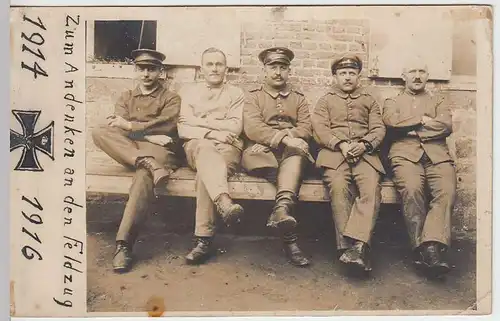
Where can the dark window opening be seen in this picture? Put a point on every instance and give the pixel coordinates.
(115, 40)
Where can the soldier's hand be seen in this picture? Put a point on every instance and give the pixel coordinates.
(258, 148)
(426, 119)
(357, 149)
(162, 140)
(344, 148)
(352, 160)
(119, 122)
(297, 143)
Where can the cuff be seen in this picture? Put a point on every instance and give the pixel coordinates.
(368, 145)
(277, 138)
(334, 143)
(137, 126)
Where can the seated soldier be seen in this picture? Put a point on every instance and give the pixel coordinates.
(418, 123)
(211, 122)
(141, 135)
(277, 125)
(347, 124)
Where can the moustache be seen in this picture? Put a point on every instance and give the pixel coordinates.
(417, 81)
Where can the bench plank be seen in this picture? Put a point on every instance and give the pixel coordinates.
(107, 176)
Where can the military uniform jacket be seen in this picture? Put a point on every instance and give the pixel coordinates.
(153, 114)
(404, 113)
(350, 117)
(269, 116)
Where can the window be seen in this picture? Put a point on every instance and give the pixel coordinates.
(115, 40)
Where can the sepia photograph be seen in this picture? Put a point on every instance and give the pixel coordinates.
(257, 160)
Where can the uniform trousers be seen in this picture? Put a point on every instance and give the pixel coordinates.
(287, 177)
(213, 163)
(118, 145)
(355, 201)
(428, 193)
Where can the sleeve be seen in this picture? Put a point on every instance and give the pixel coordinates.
(438, 127)
(165, 123)
(234, 119)
(376, 127)
(395, 118)
(254, 126)
(121, 106)
(322, 132)
(187, 130)
(304, 128)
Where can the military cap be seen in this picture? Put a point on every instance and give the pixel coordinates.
(347, 61)
(276, 54)
(148, 57)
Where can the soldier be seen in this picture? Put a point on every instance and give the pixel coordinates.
(211, 122)
(418, 124)
(277, 125)
(347, 124)
(141, 135)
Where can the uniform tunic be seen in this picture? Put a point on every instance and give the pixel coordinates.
(420, 161)
(222, 110)
(354, 189)
(155, 113)
(270, 115)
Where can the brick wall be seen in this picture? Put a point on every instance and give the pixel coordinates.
(315, 43)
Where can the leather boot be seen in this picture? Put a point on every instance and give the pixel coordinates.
(292, 250)
(229, 211)
(357, 257)
(201, 251)
(431, 256)
(157, 171)
(281, 217)
(122, 258)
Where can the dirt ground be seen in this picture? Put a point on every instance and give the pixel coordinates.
(250, 273)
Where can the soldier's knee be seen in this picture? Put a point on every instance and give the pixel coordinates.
(99, 132)
(413, 189)
(335, 179)
(204, 145)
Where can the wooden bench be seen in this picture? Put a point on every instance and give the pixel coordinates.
(106, 176)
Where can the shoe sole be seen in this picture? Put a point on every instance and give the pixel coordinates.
(300, 264)
(121, 270)
(198, 261)
(285, 226)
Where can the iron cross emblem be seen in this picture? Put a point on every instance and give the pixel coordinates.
(31, 141)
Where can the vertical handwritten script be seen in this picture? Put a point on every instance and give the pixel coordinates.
(73, 259)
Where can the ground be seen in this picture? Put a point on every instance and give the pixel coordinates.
(250, 272)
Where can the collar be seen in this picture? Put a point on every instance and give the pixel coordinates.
(335, 90)
(275, 93)
(138, 92)
(221, 85)
(411, 93)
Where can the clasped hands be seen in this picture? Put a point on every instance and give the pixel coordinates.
(352, 151)
(120, 122)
